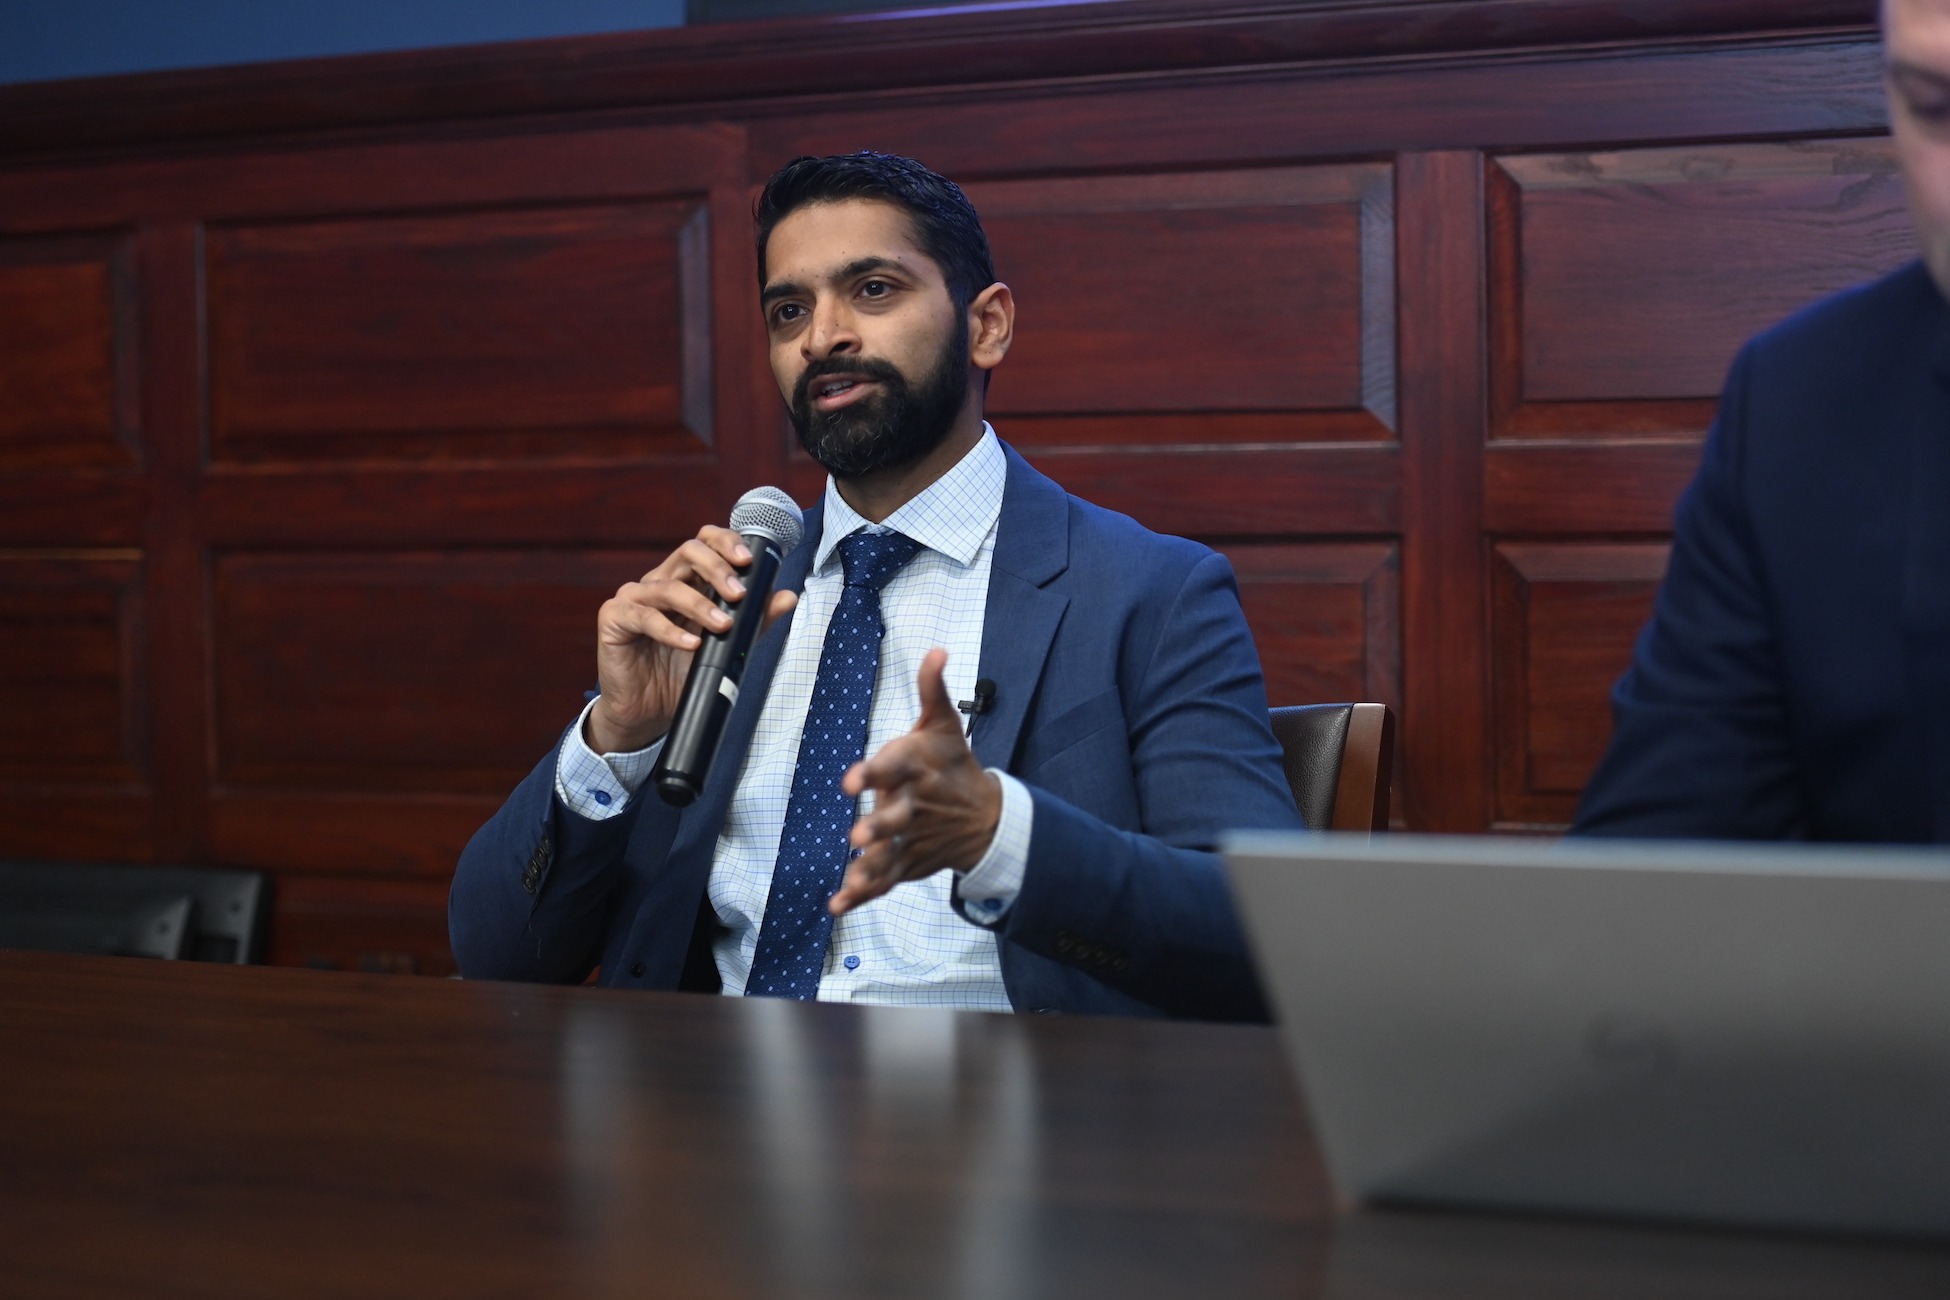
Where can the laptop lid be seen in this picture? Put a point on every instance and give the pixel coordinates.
(1740, 1034)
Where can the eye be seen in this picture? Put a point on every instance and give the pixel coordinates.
(876, 289)
(786, 312)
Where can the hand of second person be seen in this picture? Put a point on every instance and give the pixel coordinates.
(935, 808)
(648, 633)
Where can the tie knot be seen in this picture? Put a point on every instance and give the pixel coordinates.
(870, 559)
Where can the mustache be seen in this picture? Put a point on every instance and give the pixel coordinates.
(866, 367)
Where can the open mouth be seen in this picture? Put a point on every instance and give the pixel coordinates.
(832, 393)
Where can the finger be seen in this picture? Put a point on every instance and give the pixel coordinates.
(885, 825)
(781, 604)
(624, 621)
(699, 559)
(867, 877)
(680, 600)
(726, 543)
(937, 710)
(897, 763)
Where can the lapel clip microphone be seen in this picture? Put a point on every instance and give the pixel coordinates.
(984, 701)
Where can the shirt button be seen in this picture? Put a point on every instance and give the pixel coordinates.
(636, 971)
(851, 963)
(602, 797)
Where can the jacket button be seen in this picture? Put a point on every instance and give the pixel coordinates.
(636, 971)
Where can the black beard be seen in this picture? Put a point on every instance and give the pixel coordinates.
(891, 429)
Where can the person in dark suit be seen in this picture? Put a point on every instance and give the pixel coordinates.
(1057, 858)
(1794, 682)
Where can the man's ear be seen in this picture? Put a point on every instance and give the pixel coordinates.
(991, 326)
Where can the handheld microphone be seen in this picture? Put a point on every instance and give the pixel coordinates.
(769, 522)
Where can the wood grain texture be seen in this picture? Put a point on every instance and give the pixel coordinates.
(497, 334)
(724, 64)
(317, 1134)
(397, 673)
(1237, 302)
(72, 688)
(67, 353)
(1326, 618)
(1622, 283)
(1563, 622)
(1445, 705)
(298, 1133)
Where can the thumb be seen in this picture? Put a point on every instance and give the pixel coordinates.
(937, 710)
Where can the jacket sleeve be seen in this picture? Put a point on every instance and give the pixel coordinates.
(1147, 911)
(1700, 745)
(530, 898)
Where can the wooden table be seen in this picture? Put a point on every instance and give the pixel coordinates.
(179, 1130)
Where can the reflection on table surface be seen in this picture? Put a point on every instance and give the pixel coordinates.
(174, 1129)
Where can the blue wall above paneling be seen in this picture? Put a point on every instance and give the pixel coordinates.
(45, 39)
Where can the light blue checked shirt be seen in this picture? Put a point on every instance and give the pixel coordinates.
(910, 946)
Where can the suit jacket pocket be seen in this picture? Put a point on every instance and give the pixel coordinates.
(1071, 728)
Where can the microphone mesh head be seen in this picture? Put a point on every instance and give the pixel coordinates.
(769, 512)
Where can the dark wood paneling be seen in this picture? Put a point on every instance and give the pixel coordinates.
(67, 353)
(1445, 705)
(492, 334)
(403, 673)
(74, 753)
(388, 927)
(818, 58)
(1326, 618)
(1238, 307)
(70, 681)
(1564, 621)
(1585, 485)
(1622, 283)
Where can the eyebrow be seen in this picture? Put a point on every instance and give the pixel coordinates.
(852, 270)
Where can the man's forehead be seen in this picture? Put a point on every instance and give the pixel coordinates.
(821, 240)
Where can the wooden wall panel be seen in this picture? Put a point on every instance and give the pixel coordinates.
(1564, 621)
(70, 678)
(527, 332)
(1624, 282)
(397, 673)
(1326, 618)
(67, 353)
(1215, 307)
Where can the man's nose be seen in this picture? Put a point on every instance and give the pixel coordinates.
(832, 333)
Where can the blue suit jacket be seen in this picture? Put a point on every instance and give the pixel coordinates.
(1794, 682)
(1129, 701)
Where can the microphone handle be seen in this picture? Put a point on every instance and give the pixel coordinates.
(712, 687)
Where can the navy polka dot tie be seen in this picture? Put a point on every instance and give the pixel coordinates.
(813, 850)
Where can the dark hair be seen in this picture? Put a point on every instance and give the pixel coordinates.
(944, 220)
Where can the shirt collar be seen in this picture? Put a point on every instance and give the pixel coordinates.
(953, 515)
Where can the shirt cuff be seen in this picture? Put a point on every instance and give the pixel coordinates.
(599, 786)
(986, 891)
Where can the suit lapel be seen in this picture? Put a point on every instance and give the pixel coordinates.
(1926, 577)
(1032, 547)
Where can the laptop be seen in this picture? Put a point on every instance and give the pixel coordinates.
(1729, 1034)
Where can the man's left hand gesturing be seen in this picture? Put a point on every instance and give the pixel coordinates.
(935, 807)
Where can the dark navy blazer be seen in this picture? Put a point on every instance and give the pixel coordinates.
(1794, 682)
(1129, 701)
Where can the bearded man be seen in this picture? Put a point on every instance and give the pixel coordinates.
(1060, 857)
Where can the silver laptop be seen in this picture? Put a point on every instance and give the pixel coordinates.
(1754, 1035)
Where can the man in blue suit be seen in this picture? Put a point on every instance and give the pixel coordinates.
(1055, 857)
(1794, 682)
